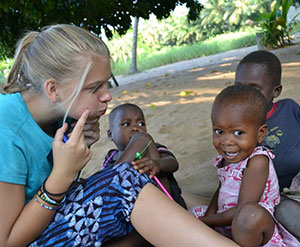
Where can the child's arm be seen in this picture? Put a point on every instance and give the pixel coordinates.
(213, 205)
(157, 162)
(164, 163)
(137, 143)
(253, 184)
(254, 180)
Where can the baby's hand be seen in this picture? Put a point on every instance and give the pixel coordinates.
(146, 165)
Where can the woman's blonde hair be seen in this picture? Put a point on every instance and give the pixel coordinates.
(54, 53)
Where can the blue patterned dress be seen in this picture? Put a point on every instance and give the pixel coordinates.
(96, 210)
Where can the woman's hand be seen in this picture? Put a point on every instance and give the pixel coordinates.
(91, 132)
(147, 165)
(68, 158)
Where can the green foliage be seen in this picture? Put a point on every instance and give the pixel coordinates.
(171, 54)
(275, 28)
(154, 35)
(5, 66)
(219, 16)
(18, 16)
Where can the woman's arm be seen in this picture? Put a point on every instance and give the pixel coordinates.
(164, 223)
(20, 224)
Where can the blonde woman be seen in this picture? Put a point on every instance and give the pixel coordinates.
(61, 73)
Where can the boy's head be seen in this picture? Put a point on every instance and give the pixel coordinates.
(261, 69)
(124, 121)
(238, 118)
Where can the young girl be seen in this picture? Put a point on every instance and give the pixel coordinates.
(58, 72)
(243, 205)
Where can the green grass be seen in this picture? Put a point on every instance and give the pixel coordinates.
(167, 55)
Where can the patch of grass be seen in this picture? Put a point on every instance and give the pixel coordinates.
(167, 55)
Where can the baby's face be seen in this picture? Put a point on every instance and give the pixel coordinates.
(256, 75)
(127, 122)
(235, 135)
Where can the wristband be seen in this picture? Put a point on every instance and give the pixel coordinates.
(45, 206)
(51, 194)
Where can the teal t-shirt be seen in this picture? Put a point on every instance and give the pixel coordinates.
(24, 146)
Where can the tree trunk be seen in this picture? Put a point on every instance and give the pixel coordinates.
(133, 67)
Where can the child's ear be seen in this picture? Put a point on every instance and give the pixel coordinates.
(277, 91)
(262, 132)
(109, 135)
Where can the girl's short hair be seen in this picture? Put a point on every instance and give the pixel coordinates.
(247, 96)
(56, 52)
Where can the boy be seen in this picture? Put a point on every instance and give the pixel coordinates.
(262, 69)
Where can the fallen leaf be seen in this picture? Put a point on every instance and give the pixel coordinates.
(148, 84)
(124, 92)
(153, 106)
(185, 93)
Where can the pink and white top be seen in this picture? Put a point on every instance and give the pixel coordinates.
(231, 177)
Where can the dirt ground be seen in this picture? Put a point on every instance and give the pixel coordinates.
(177, 110)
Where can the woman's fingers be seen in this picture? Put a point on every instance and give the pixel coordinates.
(78, 129)
(59, 135)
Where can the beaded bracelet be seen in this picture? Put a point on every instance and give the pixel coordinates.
(44, 197)
(45, 206)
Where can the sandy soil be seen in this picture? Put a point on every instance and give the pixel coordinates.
(181, 121)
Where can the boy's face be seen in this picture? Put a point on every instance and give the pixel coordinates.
(127, 122)
(256, 75)
(235, 135)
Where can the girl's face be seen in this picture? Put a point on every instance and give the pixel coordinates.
(235, 135)
(127, 122)
(256, 75)
(94, 94)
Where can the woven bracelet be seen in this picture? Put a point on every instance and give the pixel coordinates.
(45, 198)
(45, 206)
(51, 194)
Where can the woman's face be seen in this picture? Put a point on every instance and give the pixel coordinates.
(94, 94)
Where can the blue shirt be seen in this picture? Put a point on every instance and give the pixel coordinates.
(24, 146)
(283, 139)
